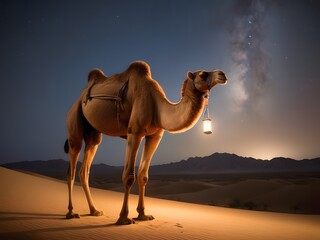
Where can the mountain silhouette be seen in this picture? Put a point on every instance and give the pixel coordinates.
(215, 163)
(232, 163)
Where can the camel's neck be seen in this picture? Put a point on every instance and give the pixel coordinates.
(181, 116)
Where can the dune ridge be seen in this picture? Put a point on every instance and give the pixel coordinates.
(34, 208)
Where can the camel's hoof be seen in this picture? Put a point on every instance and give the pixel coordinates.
(71, 215)
(124, 221)
(143, 217)
(96, 213)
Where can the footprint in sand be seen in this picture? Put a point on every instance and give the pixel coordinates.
(178, 225)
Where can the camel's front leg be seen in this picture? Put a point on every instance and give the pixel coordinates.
(151, 145)
(128, 175)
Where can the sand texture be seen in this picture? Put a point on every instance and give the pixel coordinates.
(32, 207)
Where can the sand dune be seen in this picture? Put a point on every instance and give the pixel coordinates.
(32, 207)
(276, 195)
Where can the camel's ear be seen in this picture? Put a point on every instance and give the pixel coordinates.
(190, 75)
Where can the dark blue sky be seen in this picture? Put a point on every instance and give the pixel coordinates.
(270, 50)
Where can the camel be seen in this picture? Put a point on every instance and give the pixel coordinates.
(133, 106)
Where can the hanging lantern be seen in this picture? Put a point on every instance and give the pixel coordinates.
(207, 127)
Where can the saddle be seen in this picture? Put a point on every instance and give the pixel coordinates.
(106, 90)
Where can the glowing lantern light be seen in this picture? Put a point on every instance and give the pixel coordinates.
(207, 127)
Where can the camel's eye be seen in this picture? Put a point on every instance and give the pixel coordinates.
(203, 74)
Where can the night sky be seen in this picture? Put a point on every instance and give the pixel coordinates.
(270, 51)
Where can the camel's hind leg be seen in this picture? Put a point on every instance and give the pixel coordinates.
(92, 139)
(73, 148)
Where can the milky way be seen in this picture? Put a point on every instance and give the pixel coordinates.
(249, 60)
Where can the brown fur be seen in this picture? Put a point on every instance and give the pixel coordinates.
(198, 100)
(144, 113)
(96, 75)
(183, 88)
(140, 68)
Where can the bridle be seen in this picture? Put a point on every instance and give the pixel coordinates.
(206, 83)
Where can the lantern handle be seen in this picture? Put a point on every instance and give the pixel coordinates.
(206, 103)
(206, 112)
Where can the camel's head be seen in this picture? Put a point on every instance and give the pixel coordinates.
(204, 80)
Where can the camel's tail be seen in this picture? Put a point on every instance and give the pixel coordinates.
(66, 146)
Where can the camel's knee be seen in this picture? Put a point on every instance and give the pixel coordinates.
(128, 179)
(143, 179)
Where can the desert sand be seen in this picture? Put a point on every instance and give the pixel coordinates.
(32, 207)
(288, 193)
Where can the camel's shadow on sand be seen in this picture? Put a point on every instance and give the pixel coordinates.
(14, 216)
(11, 216)
(45, 227)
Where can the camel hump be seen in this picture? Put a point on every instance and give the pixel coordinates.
(140, 67)
(96, 75)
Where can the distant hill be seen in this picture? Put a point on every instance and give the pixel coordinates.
(58, 168)
(215, 163)
(231, 163)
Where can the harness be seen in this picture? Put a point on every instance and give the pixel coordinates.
(118, 98)
(208, 83)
